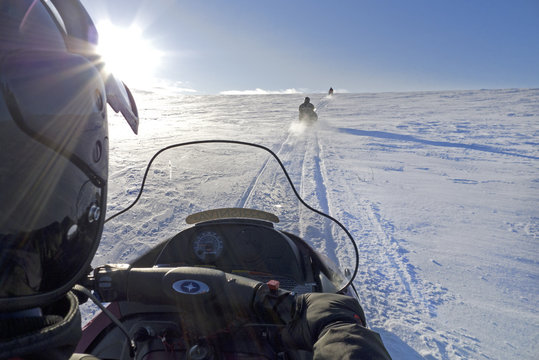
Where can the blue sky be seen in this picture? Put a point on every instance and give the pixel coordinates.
(357, 46)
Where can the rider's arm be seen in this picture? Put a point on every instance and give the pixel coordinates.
(349, 341)
(331, 326)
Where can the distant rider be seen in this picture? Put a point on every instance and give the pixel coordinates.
(330, 92)
(306, 111)
(306, 107)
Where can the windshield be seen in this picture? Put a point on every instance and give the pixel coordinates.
(186, 179)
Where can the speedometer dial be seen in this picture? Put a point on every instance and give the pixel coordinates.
(208, 245)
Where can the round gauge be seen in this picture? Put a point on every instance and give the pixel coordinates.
(208, 245)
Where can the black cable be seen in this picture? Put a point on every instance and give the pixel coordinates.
(114, 319)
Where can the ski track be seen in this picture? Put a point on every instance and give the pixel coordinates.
(314, 192)
(394, 297)
(390, 290)
(249, 191)
(262, 172)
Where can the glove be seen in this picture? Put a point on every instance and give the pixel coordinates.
(313, 312)
(274, 306)
(331, 326)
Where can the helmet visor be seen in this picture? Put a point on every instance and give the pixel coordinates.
(49, 223)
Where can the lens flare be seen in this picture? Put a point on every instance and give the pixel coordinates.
(128, 54)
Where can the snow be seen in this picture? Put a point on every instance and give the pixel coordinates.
(440, 190)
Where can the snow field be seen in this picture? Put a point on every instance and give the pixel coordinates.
(440, 190)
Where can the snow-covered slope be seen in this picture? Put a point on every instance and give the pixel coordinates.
(440, 189)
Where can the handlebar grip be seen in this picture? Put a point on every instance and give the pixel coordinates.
(120, 282)
(182, 286)
(110, 282)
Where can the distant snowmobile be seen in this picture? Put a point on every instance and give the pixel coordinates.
(306, 111)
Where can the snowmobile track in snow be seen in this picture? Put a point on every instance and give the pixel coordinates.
(261, 173)
(313, 188)
(393, 295)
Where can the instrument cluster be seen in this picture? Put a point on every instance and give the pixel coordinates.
(235, 247)
(208, 245)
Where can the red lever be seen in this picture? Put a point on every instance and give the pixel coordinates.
(273, 285)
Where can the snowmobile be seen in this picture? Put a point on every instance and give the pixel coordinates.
(308, 116)
(222, 223)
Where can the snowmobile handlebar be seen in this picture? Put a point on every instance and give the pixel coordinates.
(212, 298)
(171, 285)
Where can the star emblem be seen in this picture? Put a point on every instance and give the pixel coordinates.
(190, 287)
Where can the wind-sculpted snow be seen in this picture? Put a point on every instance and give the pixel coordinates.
(440, 190)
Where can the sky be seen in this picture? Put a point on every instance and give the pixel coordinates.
(212, 47)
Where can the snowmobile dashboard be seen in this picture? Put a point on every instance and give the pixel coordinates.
(246, 247)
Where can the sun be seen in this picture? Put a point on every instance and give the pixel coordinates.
(128, 54)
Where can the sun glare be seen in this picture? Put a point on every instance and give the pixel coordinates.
(127, 54)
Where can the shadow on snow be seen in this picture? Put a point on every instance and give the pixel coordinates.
(409, 138)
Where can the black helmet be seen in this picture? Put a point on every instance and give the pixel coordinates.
(307, 99)
(54, 142)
